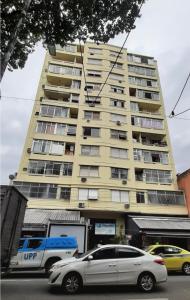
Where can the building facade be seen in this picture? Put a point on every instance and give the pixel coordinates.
(183, 181)
(103, 151)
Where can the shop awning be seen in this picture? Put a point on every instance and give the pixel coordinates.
(44, 216)
(163, 226)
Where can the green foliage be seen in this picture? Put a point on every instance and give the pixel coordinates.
(62, 21)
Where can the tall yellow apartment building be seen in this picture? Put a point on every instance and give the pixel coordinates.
(107, 153)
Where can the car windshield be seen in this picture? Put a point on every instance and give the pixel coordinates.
(86, 253)
(148, 248)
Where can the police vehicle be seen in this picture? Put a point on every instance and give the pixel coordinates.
(42, 253)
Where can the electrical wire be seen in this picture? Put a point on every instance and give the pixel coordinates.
(118, 55)
(172, 112)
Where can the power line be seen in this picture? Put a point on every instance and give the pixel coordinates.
(172, 112)
(118, 55)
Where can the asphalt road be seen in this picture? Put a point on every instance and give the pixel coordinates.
(34, 287)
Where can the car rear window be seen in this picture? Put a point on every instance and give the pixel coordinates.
(128, 253)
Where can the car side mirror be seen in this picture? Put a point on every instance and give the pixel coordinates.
(161, 254)
(152, 252)
(90, 257)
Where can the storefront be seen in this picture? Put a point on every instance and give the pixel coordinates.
(52, 222)
(147, 230)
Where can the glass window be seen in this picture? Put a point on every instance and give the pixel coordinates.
(140, 197)
(21, 244)
(119, 153)
(89, 131)
(120, 196)
(108, 253)
(65, 193)
(128, 253)
(119, 173)
(90, 150)
(118, 118)
(86, 194)
(34, 244)
(89, 171)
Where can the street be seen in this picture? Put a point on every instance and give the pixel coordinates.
(34, 287)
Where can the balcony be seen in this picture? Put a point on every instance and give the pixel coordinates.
(153, 176)
(61, 84)
(144, 94)
(146, 139)
(146, 109)
(51, 95)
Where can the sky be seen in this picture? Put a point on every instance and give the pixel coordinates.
(161, 32)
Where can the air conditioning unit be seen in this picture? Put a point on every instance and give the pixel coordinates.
(92, 199)
(124, 181)
(91, 104)
(118, 123)
(81, 205)
(88, 120)
(28, 150)
(83, 179)
(85, 137)
(46, 70)
(41, 99)
(43, 86)
(37, 113)
(24, 169)
(127, 205)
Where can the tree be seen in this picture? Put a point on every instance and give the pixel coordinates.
(25, 22)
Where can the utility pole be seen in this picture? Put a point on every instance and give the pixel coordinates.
(13, 39)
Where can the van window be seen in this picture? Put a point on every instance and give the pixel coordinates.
(21, 243)
(33, 244)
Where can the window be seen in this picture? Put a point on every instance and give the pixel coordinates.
(128, 253)
(89, 171)
(21, 244)
(34, 244)
(56, 128)
(90, 87)
(142, 70)
(90, 131)
(90, 150)
(119, 153)
(116, 54)
(172, 250)
(116, 89)
(108, 253)
(157, 176)
(65, 193)
(120, 196)
(117, 103)
(71, 130)
(114, 76)
(88, 194)
(94, 61)
(37, 190)
(147, 122)
(118, 134)
(95, 50)
(140, 198)
(142, 81)
(118, 118)
(137, 154)
(45, 147)
(93, 73)
(165, 197)
(119, 173)
(94, 115)
(92, 100)
(140, 59)
(116, 65)
(64, 70)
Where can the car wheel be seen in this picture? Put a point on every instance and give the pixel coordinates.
(186, 268)
(146, 282)
(72, 283)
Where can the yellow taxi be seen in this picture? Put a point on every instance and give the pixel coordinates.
(175, 258)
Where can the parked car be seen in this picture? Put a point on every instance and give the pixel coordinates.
(109, 265)
(42, 253)
(175, 258)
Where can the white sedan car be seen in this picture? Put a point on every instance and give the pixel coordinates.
(109, 265)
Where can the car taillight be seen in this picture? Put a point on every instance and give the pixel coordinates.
(76, 253)
(159, 261)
